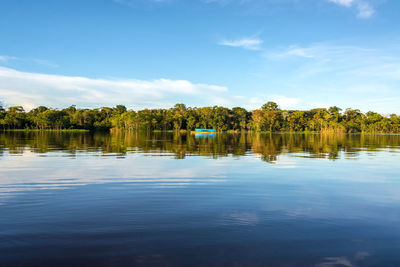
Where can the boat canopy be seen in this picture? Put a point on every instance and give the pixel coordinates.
(206, 130)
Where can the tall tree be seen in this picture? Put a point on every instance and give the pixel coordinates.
(270, 106)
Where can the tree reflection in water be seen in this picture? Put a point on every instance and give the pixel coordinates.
(181, 145)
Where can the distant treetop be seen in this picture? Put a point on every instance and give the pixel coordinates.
(270, 106)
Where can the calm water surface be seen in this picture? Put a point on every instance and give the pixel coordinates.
(164, 199)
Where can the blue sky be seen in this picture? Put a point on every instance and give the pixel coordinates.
(155, 53)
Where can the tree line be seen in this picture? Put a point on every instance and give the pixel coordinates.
(268, 118)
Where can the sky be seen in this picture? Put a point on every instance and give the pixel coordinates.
(301, 54)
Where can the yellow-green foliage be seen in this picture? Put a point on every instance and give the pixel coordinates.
(269, 118)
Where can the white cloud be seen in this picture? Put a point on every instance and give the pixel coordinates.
(285, 102)
(299, 52)
(33, 89)
(246, 43)
(133, 3)
(38, 61)
(364, 9)
(346, 3)
(292, 51)
(6, 59)
(356, 61)
(326, 74)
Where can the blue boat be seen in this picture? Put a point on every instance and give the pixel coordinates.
(206, 131)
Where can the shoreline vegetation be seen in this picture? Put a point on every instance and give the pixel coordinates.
(269, 118)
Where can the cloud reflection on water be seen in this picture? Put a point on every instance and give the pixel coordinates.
(44, 160)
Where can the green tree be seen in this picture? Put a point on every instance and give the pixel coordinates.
(270, 106)
(15, 118)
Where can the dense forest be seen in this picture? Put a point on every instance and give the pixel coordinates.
(268, 118)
